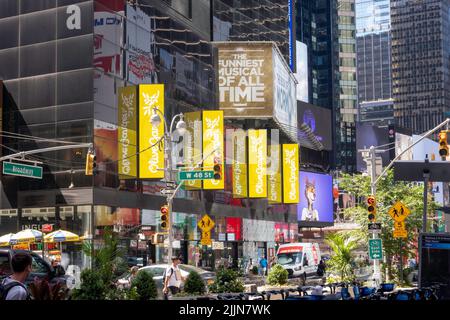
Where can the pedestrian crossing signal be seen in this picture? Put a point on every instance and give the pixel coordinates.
(90, 164)
(164, 217)
(443, 146)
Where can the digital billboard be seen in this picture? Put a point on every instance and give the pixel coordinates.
(318, 119)
(316, 199)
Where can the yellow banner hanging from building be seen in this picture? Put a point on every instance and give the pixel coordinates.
(257, 159)
(239, 163)
(213, 148)
(290, 173)
(151, 161)
(127, 158)
(192, 146)
(274, 175)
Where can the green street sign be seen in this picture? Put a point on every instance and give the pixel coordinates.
(195, 175)
(375, 249)
(22, 170)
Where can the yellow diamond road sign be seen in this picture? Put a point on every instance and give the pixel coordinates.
(206, 223)
(399, 211)
(206, 241)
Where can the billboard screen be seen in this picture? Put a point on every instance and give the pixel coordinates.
(316, 198)
(302, 71)
(319, 120)
(245, 79)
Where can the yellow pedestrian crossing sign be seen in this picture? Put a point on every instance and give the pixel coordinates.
(206, 223)
(206, 241)
(399, 211)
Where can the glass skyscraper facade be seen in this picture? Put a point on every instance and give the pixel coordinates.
(345, 86)
(372, 15)
(373, 47)
(420, 62)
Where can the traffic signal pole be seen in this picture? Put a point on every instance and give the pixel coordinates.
(373, 189)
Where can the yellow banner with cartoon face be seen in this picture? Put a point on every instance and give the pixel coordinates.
(257, 159)
(213, 147)
(192, 152)
(151, 161)
(290, 173)
(239, 163)
(127, 158)
(274, 175)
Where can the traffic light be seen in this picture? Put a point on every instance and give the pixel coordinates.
(217, 168)
(371, 208)
(90, 164)
(164, 217)
(443, 147)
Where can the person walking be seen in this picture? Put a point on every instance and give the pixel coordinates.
(321, 268)
(263, 265)
(172, 278)
(13, 287)
(133, 273)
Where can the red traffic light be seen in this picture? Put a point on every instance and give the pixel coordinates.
(371, 200)
(164, 209)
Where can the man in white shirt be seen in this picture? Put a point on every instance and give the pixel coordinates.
(172, 278)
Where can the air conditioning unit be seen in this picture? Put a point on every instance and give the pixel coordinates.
(8, 213)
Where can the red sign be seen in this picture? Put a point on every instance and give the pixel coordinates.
(47, 228)
(371, 200)
(290, 249)
(234, 225)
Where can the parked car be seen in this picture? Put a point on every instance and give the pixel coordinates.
(135, 261)
(40, 268)
(157, 270)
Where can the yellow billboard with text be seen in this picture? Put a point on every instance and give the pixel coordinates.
(127, 159)
(213, 148)
(274, 175)
(239, 163)
(257, 159)
(151, 141)
(291, 187)
(192, 146)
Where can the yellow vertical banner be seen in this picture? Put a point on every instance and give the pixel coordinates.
(192, 146)
(213, 147)
(274, 175)
(257, 159)
(239, 163)
(151, 161)
(291, 173)
(127, 159)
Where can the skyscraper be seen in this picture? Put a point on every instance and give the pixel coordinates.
(373, 47)
(420, 62)
(345, 86)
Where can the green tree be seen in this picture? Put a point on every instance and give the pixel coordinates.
(388, 192)
(226, 281)
(194, 284)
(342, 260)
(145, 286)
(277, 275)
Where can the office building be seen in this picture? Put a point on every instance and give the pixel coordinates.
(420, 63)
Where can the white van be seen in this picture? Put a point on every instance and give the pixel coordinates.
(299, 259)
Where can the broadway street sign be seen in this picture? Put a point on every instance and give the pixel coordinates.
(22, 170)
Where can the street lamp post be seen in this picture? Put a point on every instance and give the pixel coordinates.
(181, 128)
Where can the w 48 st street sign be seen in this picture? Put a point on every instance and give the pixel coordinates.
(22, 170)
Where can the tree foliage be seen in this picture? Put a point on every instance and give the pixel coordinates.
(342, 260)
(277, 275)
(388, 192)
(145, 286)
(194, 284)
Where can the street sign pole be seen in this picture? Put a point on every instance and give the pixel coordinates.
(376, 262)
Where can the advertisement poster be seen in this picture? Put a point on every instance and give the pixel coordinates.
(239, 164)
(284, 94)
(140, 66)
(192, 146)
(257, 159)
(234, 227)
(274, 175)
(316, 201)
(245, 79)
(213, 146)
(151, 161)
(281, 232)
(302, 71)
(127, 132)
(290, 173)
